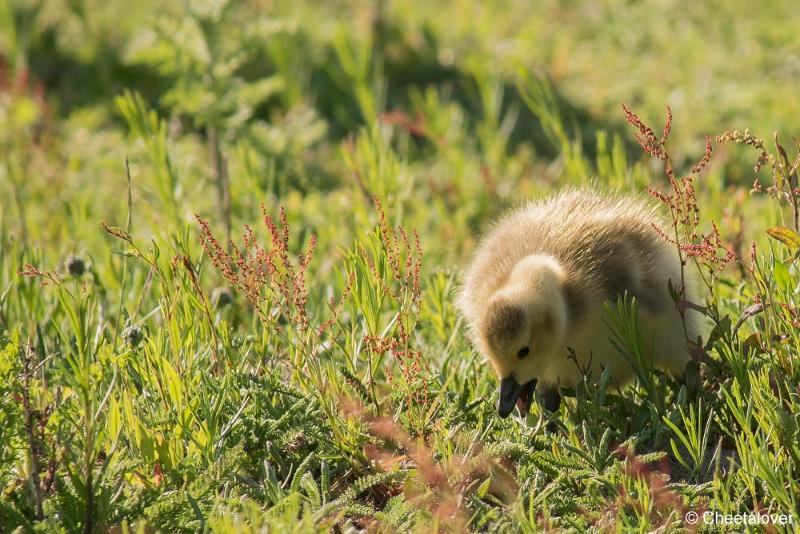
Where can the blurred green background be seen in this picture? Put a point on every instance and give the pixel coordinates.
(285, 84)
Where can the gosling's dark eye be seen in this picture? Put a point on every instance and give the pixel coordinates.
(524, 351)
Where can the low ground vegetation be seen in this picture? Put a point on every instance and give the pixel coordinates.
(232, 236)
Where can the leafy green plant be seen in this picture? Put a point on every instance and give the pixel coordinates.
(313, 374)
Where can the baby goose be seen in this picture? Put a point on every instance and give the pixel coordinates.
(533, 296)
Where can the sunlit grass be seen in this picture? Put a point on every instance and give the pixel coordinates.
(228, 264)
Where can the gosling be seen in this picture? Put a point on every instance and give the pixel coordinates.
(534, 294)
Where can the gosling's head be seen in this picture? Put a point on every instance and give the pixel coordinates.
(524, 325)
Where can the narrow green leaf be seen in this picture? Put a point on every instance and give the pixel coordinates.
(785, 235)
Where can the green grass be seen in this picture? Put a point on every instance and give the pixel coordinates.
(315, 374)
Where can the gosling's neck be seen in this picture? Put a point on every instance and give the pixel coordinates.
(537, 273)
(535, 285)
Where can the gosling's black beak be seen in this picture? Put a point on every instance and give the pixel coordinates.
(513, 393)
(509, 393)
